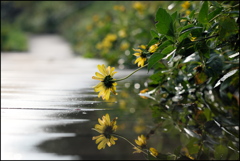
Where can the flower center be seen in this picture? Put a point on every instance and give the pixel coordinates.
(144, 54)
(108, 131)
(108, 81)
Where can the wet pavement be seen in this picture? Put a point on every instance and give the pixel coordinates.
(48, 106)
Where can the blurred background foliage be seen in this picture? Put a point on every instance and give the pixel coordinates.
(106, 30)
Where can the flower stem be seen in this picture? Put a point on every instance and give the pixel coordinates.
(130, 74)
(129, 142)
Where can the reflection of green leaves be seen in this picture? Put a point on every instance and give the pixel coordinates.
(212, 128)
(221, 152)
(214, 66)
(165, 23)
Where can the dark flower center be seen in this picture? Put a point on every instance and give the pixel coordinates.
(108, 81)
(108, 131)
(144, 54)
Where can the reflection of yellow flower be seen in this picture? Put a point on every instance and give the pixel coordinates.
(95, 18)
(141, 142)
(153, 152)
(140, 126)
(89, 27)
(141, 57)
(107, 83)
(106, 128)
(186, 5)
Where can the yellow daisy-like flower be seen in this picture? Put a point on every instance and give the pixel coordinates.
(153, 152)
(141, 57)
(107, 83)
(106, 128)
(186, 5)
(141, 142)
(153, 48)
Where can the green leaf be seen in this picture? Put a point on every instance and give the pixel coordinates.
(153, 41)
(227, 27)
(203, 49)
(165, 44)
(168, 49)
(165, 24)
(158, 56)
(154, 59)
(174, 16)
(203, 13)
(214, 13)
(154, 34)
(185, 31)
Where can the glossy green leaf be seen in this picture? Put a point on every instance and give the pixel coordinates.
(154, 34)
(165, 24)
(214, 13)
(203, 13)
(154, 59)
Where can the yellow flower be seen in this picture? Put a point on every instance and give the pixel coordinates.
(124, 46)
(153, 48)
(143, 46)
(141, 142)
(106, 128)
(186, 5)
(119, 8)
(153, 152)
(122, 33)
(111, 37)
(187, 12)
(141, 56)
(107, 83)
(140, 7)
(193, 38)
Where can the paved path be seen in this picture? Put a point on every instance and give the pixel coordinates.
(40, 90)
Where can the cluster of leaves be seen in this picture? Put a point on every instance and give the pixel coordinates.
(12, 39)
(196, 77)
(194, 56)
(112, 33)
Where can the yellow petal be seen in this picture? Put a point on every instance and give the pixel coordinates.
(99, 139)
(97, 78)
(107, 119)
(99, 75)
(102, 69)
(137, 54)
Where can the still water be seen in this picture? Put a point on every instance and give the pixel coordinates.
(46, 115)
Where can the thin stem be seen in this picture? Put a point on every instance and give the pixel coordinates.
(130, 74)
(129, 142)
